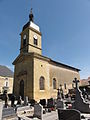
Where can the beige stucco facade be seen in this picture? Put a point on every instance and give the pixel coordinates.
(31, 65)
(6, 83)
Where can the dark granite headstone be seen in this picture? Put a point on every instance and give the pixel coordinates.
(69, 114)
(50, 103)
(43, 102)
(13, 100)
(6, 98)
(80, 103)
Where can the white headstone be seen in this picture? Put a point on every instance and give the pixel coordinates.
(1, 108)
(26, 100)
(38, 111)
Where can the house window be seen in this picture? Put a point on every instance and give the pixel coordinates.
(35, 40)
(42, 83)
(54, 83)
(6, 84)
(65, 87)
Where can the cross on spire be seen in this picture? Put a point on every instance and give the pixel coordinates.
(31, 16)
(76, 82)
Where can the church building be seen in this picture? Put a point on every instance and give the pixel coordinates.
(35, 75)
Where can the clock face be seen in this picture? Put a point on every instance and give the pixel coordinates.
(24, 37)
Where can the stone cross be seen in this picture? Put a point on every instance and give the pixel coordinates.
(76, 82)
(58, 94)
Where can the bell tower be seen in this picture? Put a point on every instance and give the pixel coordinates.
(31, 37)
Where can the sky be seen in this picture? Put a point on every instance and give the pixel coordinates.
(65, 28)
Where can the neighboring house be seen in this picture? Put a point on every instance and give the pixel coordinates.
(6, 79)
(85, 82)
(85, 85)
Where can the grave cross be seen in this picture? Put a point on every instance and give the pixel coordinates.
(76, 82)
(58, 94)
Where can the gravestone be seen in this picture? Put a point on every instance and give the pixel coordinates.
(26, 100)
(58, 94)
(60, 104)
(19, 102)
(13, 97)
(50, 103)
(1, 108)
(8, 112)
(22, 109)
(38, 111)
(43, 102)
(68, 114)
(80, 103)
(6, 98)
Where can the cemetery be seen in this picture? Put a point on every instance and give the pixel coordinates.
(62, 108)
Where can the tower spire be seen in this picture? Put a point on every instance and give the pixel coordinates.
(31, 16)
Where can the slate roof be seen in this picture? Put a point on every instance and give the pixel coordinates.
(5, 71)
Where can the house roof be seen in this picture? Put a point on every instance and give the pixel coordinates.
(59, 64)
(5, 71)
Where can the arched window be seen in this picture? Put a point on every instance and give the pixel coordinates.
(24, 40)
(54, 83)
(42, 83)
(35, 40)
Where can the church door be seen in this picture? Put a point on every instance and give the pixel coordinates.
(21, 90)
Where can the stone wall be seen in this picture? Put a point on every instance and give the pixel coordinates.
(31, 67)
(62, 76)
(24, 71)
(41, 68)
